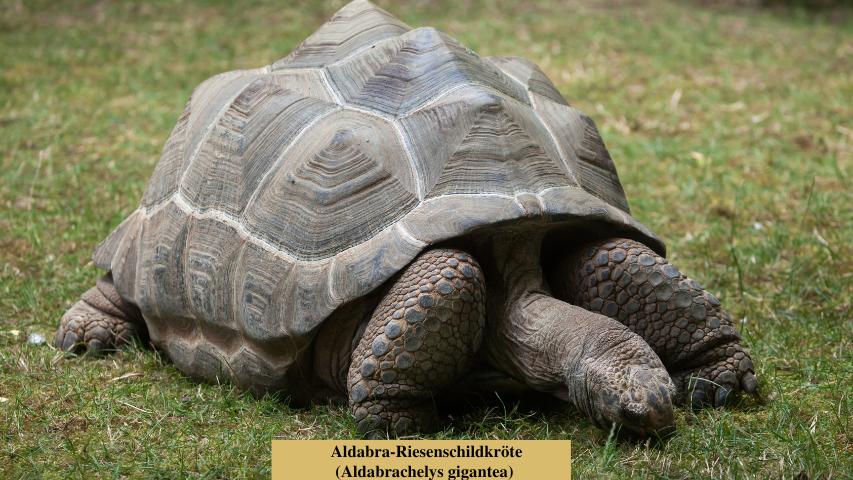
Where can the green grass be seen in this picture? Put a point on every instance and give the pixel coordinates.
(732, 131)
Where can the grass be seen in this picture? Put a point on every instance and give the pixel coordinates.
(732, 131)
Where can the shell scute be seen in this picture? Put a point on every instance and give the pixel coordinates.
(343, 183)
(162, 291)
(260, 278)
(403, 73)
(245, 144)
(200, 115)
(585, 152)
(494, 145)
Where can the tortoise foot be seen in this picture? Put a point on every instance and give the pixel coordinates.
(722, 371)
(390, 417)
(99, 322)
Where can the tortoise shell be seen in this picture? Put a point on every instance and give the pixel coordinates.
(287, 191)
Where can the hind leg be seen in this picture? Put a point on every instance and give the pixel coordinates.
(100, 321)
(684, 324)
(420, 339)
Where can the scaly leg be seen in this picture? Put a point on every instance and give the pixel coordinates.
(421, 338)
(684, 324)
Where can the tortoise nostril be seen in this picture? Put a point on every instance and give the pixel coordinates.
(634, 413)
(647, 419)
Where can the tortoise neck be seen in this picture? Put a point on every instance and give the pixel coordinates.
(514, 265)
(525, 337)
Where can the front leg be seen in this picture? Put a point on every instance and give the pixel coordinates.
(420, 339)
(684, 324)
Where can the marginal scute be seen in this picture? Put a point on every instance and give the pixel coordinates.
(162, 290)
(107, 250)
(125, 263)
(307, 300)
(432, 222)
(260, 278)
(210, 261)
(267, 374)
(358, 270)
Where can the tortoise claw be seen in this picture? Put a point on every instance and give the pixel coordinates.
(66, 340)
(722, 396)
(697, 398)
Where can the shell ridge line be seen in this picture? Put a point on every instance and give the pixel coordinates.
(524, 86)
(220, 216)
(152, 209)
(235, 223)
(541, 201)
(365, 111)
(330, 281)
(470, 195)
(557, 187)
(212, 125)
(294, 70)
(506, 72)
(404, 142)
(405, 233)
(553, 138)
(429, 103)
(327, 85)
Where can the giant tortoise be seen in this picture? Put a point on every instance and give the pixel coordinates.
(387, 217)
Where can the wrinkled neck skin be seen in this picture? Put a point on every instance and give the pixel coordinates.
(522, 338)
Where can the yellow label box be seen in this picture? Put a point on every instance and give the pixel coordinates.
(421, 459)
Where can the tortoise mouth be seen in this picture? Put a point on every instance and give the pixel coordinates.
(641, 406)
